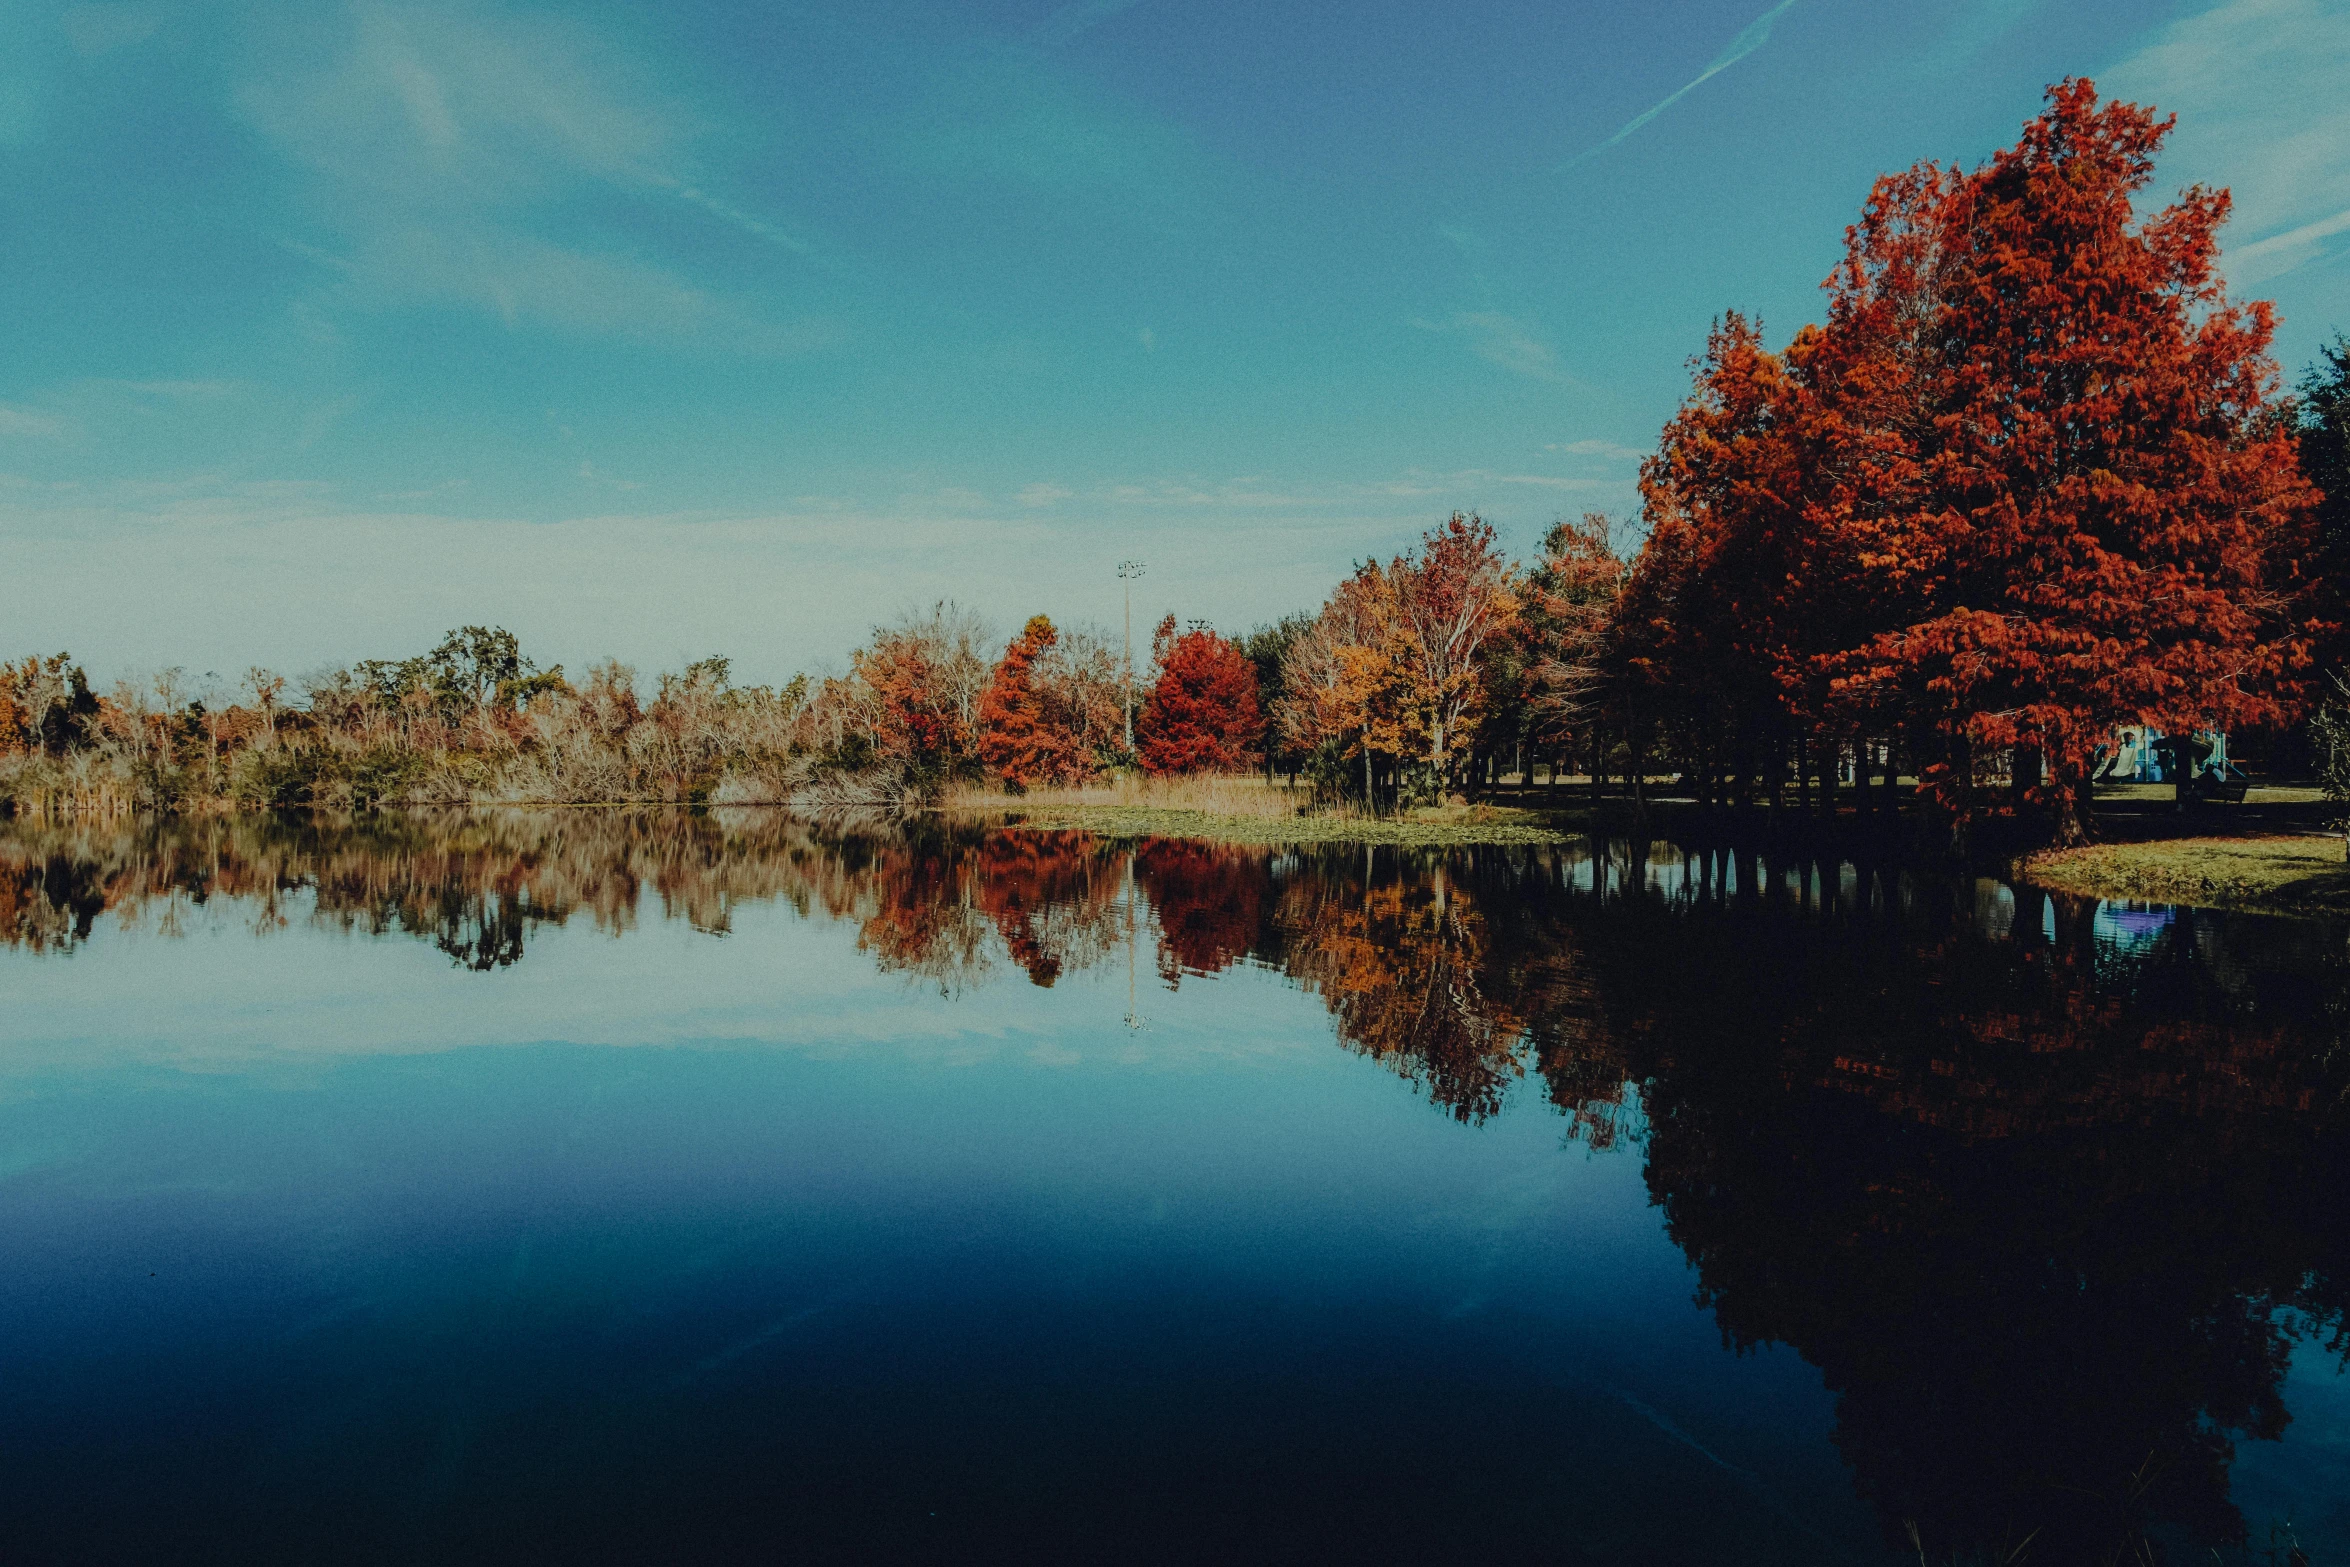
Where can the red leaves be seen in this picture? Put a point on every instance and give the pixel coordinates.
(1202, 712)
(2025, 485)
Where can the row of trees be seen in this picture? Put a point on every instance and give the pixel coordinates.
(2033, 478)
(927, 703)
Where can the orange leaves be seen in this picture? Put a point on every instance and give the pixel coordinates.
(1569, 614)
(1336, 675)
(1022, 735)
(915, 692)
(1398, 662)
(1452, 600)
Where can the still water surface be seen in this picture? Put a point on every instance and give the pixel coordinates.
(649, 1187)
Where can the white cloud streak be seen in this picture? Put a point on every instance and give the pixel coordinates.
(443, 147)
(1064, 25)
(1502, 340)
(1755, 34)
(1609, 449)
(2257, 88)
(27, 422)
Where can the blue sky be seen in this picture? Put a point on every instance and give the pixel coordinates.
(655, 331)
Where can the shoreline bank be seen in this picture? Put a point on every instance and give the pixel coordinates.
(2300, 874)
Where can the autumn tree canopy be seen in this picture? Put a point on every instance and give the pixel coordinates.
(1201, 715)
(2028, 482)
(1021, 736)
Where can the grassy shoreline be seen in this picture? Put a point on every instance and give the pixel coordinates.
(2298, 874)
(1443, 828)
(1243, 810)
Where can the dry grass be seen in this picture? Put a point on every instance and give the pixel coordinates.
(2163, 794)
(2284, 875)
(1243, 810)
(1248, 797)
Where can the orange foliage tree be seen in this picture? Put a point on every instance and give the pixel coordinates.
(2113, 514)
(1397, 669)
(921, 683)
(1454, 598)
(1022, 735)
(1568, 614)
(1337, 680)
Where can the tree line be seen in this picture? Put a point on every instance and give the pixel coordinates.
(2033, 478)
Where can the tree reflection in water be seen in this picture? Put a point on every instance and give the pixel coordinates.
(2046, 1189)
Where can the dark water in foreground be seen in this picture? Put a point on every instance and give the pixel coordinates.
(649, 1188)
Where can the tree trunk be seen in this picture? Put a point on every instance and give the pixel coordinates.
(2072, 822)
(1962, 772)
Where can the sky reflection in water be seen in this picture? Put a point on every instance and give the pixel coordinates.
(671, 1188)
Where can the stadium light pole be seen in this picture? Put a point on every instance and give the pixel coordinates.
(1128, 570)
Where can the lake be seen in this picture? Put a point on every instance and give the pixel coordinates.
(642, 1186)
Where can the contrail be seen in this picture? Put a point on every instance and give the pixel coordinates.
(2303, 235)
(1756, 34)
(741, 219)
(1070, 20)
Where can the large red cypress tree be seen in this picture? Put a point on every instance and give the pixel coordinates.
(1202, 713)
(2029, 481)
(2104, 521)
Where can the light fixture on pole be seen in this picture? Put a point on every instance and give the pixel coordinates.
(1128, 570)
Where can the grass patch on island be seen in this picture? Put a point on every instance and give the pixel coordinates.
(2283, 875)
(1436, 828)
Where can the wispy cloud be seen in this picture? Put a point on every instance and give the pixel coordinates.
(101, 29)
(1044, 495)
(445, 148)
(2292, 240)
(1608, 449)
(748, 223)
(1504, 340)
(27, 422)
(1756, 34)
(1547, 481)
(174, 391)
(2257, 87)
(1067, 23)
